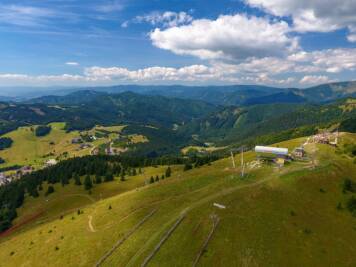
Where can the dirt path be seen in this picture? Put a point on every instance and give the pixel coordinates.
(91, 228)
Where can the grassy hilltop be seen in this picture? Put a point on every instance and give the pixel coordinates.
(29, 149)
(273, 217)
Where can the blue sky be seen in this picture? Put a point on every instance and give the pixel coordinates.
(104, 42)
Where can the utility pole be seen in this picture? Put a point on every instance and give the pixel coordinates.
(233, 160)
(242, 162)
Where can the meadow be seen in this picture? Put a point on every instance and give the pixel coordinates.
(29, 150)
(273, 217)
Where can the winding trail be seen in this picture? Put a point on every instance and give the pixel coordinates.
(91, 228)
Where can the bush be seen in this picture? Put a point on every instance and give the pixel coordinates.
(2, 160)
(42, 130)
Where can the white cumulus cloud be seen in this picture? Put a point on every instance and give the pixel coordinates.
(313, 15)
(229, 37)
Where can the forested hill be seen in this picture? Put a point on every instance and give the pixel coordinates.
(236, 125)
(105, 109)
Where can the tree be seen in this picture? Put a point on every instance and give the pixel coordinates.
(134, 173)
(87, 183)
(168, 172)
(157, 178)
(152, 180)
(50, 190)
(187, 166)
(77, 179)
(42, 130)
(109, 177)
(98, 179)
(162, 177)
(64, 180)
(122, 177)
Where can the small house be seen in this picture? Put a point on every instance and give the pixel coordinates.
(299, 152)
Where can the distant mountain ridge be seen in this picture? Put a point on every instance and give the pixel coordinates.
(85, 109)
(217, 95)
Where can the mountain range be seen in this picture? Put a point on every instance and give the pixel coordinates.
(218, 95)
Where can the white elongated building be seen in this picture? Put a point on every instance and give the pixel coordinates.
(272, 150)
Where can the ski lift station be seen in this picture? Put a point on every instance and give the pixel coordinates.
(276, 154)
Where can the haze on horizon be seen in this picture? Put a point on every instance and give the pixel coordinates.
(291, 43)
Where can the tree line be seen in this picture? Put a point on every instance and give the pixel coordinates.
(103, 168)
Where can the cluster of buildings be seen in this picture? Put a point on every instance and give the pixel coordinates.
(279, 155)
(325, 138)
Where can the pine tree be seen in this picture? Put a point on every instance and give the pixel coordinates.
(157, 178)
(77, 179)
(64, 180)
(109, 177)
(134, 173)
(162, 177)
(87, 183)
(152, 180)
(168, 172)
(122, 177)
(187, 167)
(50, 190)
(98, 179)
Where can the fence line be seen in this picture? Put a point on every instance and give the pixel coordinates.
(164, 238)
(216, 221)
(122, 240)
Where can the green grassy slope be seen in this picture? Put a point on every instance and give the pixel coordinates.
(28, 149)
(273, 217)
